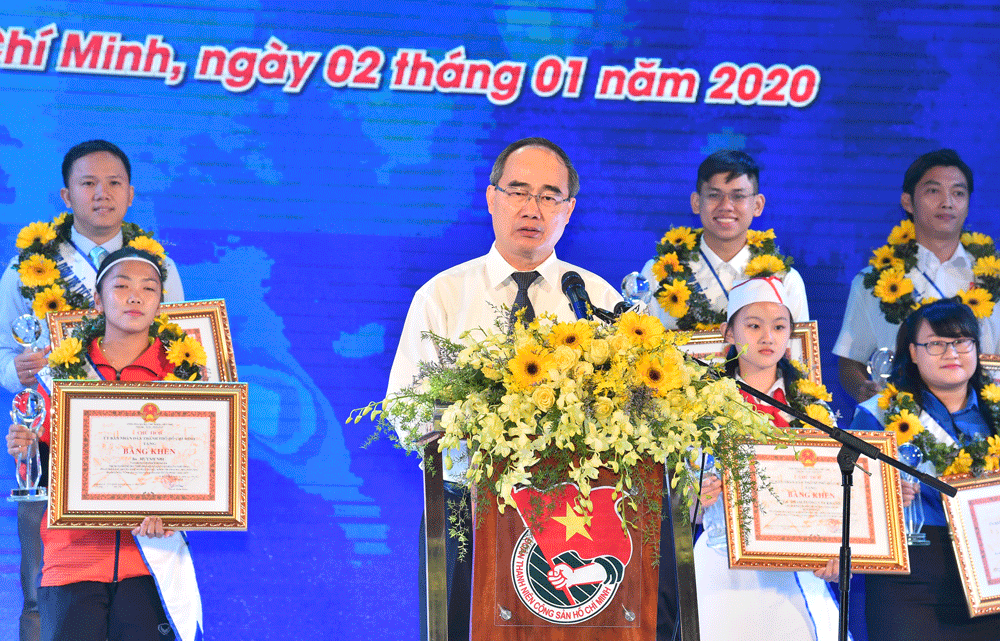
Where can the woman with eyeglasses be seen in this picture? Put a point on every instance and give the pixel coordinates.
(937, 361)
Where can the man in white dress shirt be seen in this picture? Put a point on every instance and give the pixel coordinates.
(97, 188)
(727, 198)
(936, 191)
(531, 197)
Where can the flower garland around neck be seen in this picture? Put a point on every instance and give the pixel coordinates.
(44, 273)
(902, 416)
(184, 352)
(891, 263)
(810, 399)
(678, 249)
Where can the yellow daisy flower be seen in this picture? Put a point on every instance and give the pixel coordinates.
(38, 232)
(38, 271)
(58, 220)
(979, 300)
(892, 285)
(674, 298)
(679, 236)
(186, 350)
(48, 300)
(667, 264)
(994, 442)
(529, 366)
(641, 329)
(975, 238)
(67, 353)
(961, 465)
(758, 238)
(658, 376)
(577, 335)
(991, 393)
(991, 462)
(885, 256)
(906, 425)
(766, 265)
(815, 390)
(145, 243)
(987, 266)
(886, 397)
(819, 413)
(902, 233)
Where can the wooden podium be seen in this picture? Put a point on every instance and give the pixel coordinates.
(513, 598)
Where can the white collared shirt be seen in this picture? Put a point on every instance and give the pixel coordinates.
(865, 328)
(472, 295)
(729, 272)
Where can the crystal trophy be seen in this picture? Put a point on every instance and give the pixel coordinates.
(28, 411)
(713, 517)
(880, 366)
(913, 514)
(635, 290)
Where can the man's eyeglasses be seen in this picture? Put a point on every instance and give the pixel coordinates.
(937, 348)
(547, 203)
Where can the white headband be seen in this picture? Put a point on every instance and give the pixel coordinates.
(105, 270)
(769, 289)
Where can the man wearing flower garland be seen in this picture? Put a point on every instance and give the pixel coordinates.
(927, 257)
(531, 196)
(55, 271)
(695, 269)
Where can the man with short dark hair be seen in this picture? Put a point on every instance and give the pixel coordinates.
(55, 270)
(927, 257)
(531, 197)
(695, 269)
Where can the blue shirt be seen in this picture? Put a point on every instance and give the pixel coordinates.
(969, 423)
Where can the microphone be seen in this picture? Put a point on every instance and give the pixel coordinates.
(576, 292)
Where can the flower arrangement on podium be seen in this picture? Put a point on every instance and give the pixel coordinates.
(549, 402)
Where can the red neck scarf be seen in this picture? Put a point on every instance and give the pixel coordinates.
(764, 408)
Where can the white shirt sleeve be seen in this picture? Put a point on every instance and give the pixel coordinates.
(12, 305)
(857, 339)
(796, 290)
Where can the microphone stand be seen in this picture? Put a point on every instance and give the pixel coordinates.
(851, 448)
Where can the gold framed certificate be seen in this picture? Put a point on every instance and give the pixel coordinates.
(206, 320)
(797, 511)
(122, 451)
(974, 519)
(803, 346)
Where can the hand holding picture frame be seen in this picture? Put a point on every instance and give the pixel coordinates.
(122, 451)
(796, 517)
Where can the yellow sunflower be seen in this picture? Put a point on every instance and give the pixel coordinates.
(48, 300)
(994, 442)
(58, 220)
(679, 236)
(163, 323)
(987, 266)
(892, 285)
(186, 350)
(886, 397)
(924, 301)
(529, 366)
(819, 413)
(641, 329)
(979, 300)
(38, 232)
(145, 243)
(885, 256)
(38, 271)
(674, 298)
(667, 264)
(902, 233)
(765, 265)
(991, 393)
(758, 238)
(905, 425)
(961, 465)
(991, 462)
(577, 335)
(68, 352)
(975, 238)
(657, 375)
(815, 390)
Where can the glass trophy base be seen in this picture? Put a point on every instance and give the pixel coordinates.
(917, 539)
(28, 494)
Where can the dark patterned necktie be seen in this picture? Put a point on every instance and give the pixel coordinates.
(523, 280)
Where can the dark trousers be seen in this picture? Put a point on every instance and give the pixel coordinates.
(29, 519)
(129, 610)
(929, 603)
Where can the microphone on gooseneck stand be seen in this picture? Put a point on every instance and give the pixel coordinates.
(576, 292)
